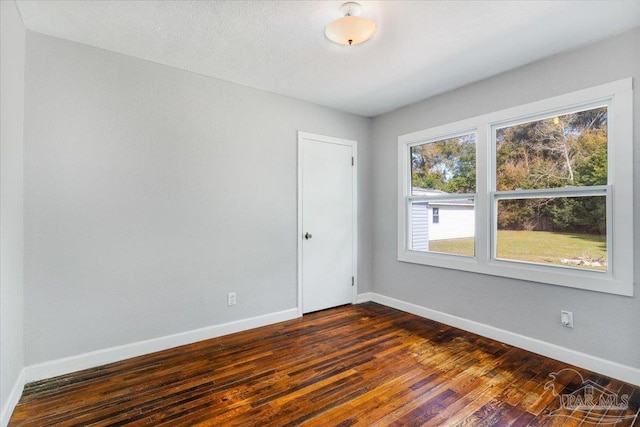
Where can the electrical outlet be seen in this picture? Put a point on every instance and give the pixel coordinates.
(231, 299)
(566, 319)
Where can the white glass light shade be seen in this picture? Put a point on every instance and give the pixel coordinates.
(350, 30)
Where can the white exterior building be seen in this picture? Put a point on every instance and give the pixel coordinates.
(440, 219)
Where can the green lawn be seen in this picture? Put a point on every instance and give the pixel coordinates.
(536, 246)
(453, 246)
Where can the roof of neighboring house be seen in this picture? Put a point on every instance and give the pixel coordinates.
(417, 191)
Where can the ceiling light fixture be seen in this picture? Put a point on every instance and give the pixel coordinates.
(351, 28)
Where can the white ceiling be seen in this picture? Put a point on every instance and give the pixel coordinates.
(421, 48)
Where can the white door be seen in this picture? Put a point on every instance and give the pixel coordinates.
(326, 221)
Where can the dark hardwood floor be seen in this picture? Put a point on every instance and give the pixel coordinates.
(365, 365)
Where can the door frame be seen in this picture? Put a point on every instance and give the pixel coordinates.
(354, 170)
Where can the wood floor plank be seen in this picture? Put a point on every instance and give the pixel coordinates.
(364, 365)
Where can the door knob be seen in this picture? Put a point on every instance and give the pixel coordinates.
(307, 236)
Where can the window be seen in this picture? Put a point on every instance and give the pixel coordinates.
(526, 192)
(443, 183)
(536, 223)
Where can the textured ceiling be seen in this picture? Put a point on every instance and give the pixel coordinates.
(420, 49)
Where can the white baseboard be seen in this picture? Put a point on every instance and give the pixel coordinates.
(12, 400)
(114, 354)
(96, 358)
(364, 297)
(606, 367)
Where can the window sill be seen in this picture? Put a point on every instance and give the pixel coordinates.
(598, 281)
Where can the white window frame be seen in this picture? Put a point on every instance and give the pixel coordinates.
(618, 279)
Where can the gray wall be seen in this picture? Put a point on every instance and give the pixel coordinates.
(12, 52)
(606, 325)
(151, 192)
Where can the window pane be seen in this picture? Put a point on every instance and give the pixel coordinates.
(564, 231)
(445, 166)
(565, 150)
(444, 226)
